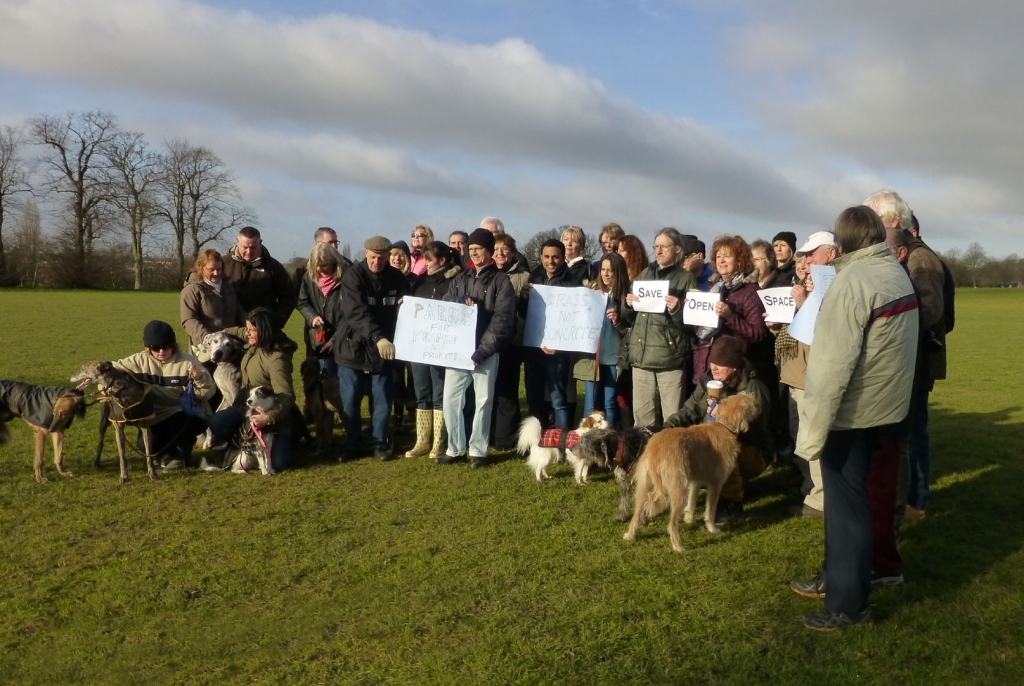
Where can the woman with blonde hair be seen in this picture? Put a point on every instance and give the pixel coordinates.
(575, 242)
(320, 303)
(422, 236)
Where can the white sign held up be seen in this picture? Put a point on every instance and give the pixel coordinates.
(779, 304)
(699, 308)
(436, 332)
(566, 319)
(802, 326)
(650, 296)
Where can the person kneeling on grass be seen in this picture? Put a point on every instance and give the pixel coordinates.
(168, 372)
(489, 289)
(729, 366)
(267, 362)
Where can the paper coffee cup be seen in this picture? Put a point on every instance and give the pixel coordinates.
(715, 389)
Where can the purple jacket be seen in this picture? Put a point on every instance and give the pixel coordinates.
(746, 323)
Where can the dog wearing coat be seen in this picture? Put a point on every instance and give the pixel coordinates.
(545, 448)
(49, 410)
(678, 461)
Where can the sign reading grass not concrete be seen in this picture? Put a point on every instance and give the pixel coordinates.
(436, 332)
(566, 319)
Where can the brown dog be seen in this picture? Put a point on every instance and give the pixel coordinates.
(677, 462)
(49, 410)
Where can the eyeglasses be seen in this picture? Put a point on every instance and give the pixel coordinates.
(160, 348)
(419, 235)
(663, 247)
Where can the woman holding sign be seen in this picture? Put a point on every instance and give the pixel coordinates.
(599, 371)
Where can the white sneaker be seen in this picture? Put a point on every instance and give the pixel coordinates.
(207, 467)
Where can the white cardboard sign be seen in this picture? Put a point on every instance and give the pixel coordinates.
(650, 296)
(802, 326)
(436, 332)
(566, 319)
(779, 304)
(699, 308)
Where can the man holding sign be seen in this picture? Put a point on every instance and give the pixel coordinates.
(487, 288)
(659, 343)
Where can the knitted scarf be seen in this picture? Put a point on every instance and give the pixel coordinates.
(706, 333)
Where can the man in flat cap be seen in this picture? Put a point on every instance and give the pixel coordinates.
(371, 292)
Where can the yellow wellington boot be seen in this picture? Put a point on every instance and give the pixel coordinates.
(423, 422)
(440, 435)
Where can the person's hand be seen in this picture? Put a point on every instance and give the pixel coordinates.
(631, 298)
(469, 301)
(386, 349)
(671, 302)
(547, 351)
(195, 372)
(722, 309)
(799, 294)
(259, 419)
(316, 322)
(772, 326)
(809, 285)
(612, 315)
(525, 291)
(327, 347)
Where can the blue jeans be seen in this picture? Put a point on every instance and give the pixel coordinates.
(551, 370)
(920, 447)
(428, 380)
(456, 382)
(849, 533)
(328, 367)
(228, 422)
(350, 382)
(605, 391)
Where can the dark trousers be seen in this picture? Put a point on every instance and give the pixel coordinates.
(553, 371)
(428, 380)
(920, 447)
(228, 422)
(882, 480)
(507, 416)
(845, 464)
(176, 434)
(351, 387)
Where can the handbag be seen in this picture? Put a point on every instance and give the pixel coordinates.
(189, 405)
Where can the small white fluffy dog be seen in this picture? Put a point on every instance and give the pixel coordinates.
(542, 447)
(253, 452)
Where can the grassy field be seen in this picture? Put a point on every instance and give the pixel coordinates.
(410, 573)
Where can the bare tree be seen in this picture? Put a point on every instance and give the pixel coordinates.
(133, 173)
(974, 261)
(199, 198)
(74, 165)
(27, 246)
(14, 173)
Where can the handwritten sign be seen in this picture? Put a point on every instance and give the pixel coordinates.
(567, 319)
(436, 332)
(779, 304)
(802, 326)
(699, 308)
(651, 296)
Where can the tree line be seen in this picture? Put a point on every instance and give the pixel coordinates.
(128, 215)
(973, 268)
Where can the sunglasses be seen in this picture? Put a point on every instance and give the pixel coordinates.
(419, 235)
(160, 348)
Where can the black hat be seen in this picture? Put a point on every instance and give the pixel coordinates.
(158, 334)
(728, 351)
(692, 245)
(483, 238)
(787, 236)
(401, 245)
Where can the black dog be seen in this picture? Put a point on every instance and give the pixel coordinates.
(617, 451)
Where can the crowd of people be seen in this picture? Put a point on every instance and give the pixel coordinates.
(848, 414)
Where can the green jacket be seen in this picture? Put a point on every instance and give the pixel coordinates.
(695, 409)
(860, 369)
(273, 369)
(660, 341)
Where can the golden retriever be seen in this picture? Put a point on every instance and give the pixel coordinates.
(677, 462)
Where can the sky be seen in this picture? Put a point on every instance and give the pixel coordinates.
(712, 116)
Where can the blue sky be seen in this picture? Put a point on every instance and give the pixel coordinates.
(735, 116)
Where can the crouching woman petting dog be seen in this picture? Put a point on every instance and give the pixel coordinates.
(267, 362)
(729, 366)
(168, 372)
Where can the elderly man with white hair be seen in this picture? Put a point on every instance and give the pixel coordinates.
(928, 275)
(492, 224)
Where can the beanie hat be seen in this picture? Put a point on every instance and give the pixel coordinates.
(483, 238)
(158, 334)
(728, 351)
(787, 236)
(401, 245)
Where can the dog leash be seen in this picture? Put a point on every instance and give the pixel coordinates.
(253, 432)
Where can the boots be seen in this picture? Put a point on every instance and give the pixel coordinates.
(440, 436)
(423, 426)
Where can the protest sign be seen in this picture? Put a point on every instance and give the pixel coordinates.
(436, 332)
(802, 326)
(651, 296)
(567, 319)
(778, 303)
(699, 308)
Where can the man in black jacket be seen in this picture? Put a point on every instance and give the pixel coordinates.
(544, 366)
(488, 289)
(258, 279)
(371, 292)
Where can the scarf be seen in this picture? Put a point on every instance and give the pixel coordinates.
(706, 333)
(215, 286)
(326, 282)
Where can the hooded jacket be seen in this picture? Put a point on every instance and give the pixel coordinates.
(263, 282)
(204, 310)
(661, 341)
(491, 290)
(860, 370)
(271, 368)
(369, 312)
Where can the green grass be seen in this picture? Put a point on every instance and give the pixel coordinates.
(405, 572)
